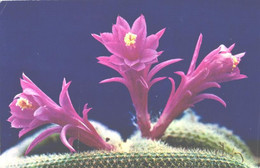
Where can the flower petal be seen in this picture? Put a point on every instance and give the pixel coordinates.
(160, 33)
(115, 48)
(64, 139)
(97, 37)
(208, 96)
(195, 55)
(155, 80)
(64, 99)
(152, 42)
(107, 37)
(42, 136)
(122, 22)
(43, 114)
(131, 63)
(116, 60)
(149, 55)
(139, 66)
(27, 83)
(20, 123)
(160, 66)
(115, 79)
(85, 112)
(139, 25)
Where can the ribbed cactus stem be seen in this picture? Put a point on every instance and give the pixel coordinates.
(186, 143)
(178, 159)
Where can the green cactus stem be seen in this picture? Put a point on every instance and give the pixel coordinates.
(188, 132)
(186, 143)
(177, 158)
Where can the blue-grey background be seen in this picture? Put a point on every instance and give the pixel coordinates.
(52, 40)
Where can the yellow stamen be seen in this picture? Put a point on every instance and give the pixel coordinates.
(130, 39)
(235, 62)
(24, 103)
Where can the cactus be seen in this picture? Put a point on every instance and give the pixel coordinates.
(188, 132)
(186, 143)
(177, 158)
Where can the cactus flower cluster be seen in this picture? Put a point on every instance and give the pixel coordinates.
(133, 55)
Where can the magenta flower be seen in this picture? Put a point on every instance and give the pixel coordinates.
(133, 55)
(130, 46)
(33, 108)
(218, 66)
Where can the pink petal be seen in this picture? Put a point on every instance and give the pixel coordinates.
(208, 96)
(105, 61)
(213, 53)
(64, 99)
(231, 47)
(152, 42)
(42, 136)
(115, 79)
(86, 121)
(85, 112)
(107, 37)
(173, 86)
(20, 123)
(195, 55)
(160, 33)
(200, 75)
(121, 32)
(26, 78)
(34, 124)
(97, 37)
(155, 80)
(131, 62)
(122, 22)
(139, 66)
(149, 55)
(139, 25)
(30, 91)
(116, 60)
(237, 77)
(11, 118)
(160, 66)
(64, 139)
(43, 114)
(16, 111)
(27, 83)
(114, 31)
(240, 55)
(115, 48)
(209, 85)
(182, 75)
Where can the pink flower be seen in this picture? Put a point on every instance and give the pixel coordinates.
(130, 46)
(33, 108)
(218, 66)
(133, 55)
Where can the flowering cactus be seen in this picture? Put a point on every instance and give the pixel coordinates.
(218, 66)
(33, 108)
(133, 55)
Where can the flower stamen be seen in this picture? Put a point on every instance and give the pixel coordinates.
(235, 62)
(130, 39)
(24, 103)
